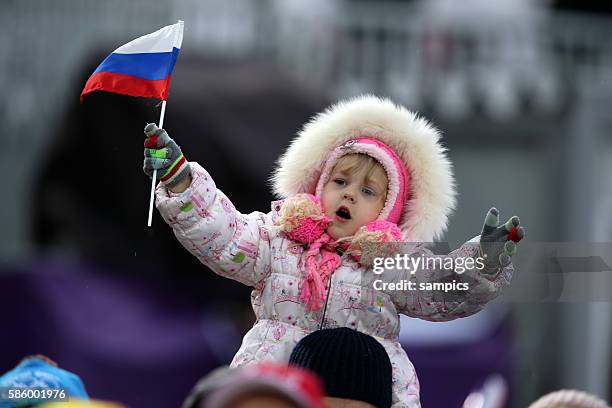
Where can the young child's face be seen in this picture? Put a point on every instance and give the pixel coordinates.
(353, 196)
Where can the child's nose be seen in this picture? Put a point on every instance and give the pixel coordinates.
(349, 196)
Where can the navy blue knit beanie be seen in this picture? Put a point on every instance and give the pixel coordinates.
(351, 364)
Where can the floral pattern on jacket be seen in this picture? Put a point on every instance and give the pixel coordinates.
(249, 249)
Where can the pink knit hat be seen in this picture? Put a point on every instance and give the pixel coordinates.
(398, 189)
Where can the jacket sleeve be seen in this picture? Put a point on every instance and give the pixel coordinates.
(207, 224)
(443, 287)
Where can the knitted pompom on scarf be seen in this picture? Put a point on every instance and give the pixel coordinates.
(376, 239)
(302, 219)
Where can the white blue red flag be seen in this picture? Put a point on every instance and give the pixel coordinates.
(141, 67)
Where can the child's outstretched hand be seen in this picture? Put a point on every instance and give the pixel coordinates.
(498, 242)
(163, 154)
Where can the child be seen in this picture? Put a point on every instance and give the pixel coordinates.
(364, 171)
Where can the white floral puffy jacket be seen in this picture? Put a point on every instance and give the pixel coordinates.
(248, 248)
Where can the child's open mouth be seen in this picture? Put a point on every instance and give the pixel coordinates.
(343, 213)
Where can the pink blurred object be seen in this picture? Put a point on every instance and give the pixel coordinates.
(493, 394)
(295, 384)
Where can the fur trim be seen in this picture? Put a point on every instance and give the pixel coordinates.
(414, 139)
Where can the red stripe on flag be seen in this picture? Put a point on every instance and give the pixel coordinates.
(127, 85)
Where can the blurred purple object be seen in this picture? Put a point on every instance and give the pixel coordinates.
(449, 373)
(128, 340)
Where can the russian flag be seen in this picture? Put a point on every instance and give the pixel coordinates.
(141, 67)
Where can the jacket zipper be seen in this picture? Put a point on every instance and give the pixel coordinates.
(329, 290)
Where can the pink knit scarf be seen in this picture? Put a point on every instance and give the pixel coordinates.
(321, 261)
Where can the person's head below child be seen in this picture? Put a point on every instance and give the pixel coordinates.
(569, 399)
(262, 385)
(39, 372)
(354, 367)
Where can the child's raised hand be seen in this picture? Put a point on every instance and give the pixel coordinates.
(498, 242)
(162, 153)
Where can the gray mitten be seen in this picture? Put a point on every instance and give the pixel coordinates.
(163, 154)
(498, 242)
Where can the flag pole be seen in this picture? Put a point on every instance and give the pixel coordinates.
(152, 198)
(177, 43)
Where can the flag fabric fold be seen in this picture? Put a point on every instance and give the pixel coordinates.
(142, 67)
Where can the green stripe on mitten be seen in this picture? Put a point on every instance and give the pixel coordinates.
(163, 154)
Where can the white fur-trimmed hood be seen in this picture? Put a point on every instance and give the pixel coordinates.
(414, 139)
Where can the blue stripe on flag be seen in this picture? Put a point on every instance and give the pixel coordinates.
(151, 66)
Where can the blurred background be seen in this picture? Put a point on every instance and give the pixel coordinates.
(521, 89)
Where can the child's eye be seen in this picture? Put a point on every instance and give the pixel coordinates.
(340, 181)
(368, 191)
